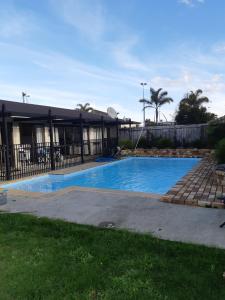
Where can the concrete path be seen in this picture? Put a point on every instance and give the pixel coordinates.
(129, 211)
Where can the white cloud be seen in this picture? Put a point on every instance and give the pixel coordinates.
(122, 52)
(94, 23)
(191, 3)
(65, 81)
(56, 97)
(187, 2)
(14, 23)
(85, 16)
(53, 78)
(219, 48)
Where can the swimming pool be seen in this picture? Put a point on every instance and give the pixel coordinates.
(138, 174)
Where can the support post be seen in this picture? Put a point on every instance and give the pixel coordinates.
(89, 142)
(130, 129)
(103, 145)
(109, 144)
(175, 136)
(52, 158)
(117, 132)
(81, 140)
(5, 139)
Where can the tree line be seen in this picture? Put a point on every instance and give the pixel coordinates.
(190, 110)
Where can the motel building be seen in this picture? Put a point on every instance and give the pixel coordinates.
(36, 139)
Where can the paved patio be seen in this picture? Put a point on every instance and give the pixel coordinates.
(127, 210)
(199, 187)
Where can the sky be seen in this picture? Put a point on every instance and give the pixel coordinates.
(65, 52)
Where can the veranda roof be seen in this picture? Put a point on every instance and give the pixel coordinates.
(22, 111)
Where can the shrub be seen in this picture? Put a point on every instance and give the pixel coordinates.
(216, 132)
(126, 144)
(143, 143)
(200, 144)
(220, 151)
(163, 143)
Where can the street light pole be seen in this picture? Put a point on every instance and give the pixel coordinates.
(143, 84)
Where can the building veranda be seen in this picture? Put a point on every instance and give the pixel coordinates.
(36, 139)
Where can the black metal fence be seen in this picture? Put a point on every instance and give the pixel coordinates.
(17, 161)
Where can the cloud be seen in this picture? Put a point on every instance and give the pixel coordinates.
(94, 23)
(87, 17)
(54, 78)
(122, 53)
(64, 81)
(14, 23)
(191, 3)
(54, 96)
(219, 48)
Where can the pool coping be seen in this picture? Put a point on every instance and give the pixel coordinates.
(43, 195)
(199, 187)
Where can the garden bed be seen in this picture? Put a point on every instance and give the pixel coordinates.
(182, 152)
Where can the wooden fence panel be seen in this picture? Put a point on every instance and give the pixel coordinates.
(182, 134)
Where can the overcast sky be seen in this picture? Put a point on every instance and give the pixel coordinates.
(64, 52)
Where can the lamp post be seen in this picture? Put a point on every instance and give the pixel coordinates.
(143, 84)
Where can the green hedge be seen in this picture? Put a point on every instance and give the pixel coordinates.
(216, 132)
(163, 143)
(220, 151)
(126, 144)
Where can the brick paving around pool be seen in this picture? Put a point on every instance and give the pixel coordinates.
(198, 188)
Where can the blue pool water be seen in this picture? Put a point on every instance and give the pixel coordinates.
(139, 174)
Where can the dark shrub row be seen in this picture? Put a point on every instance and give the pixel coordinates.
(161, 143)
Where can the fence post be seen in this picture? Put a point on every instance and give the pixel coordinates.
(81, 140)
(88, 138)
(175, 135)
(102, 118)
(117, 131)
(6, 144)
(130, 138)
(52, 158)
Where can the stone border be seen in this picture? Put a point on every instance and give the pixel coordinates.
(198, 188)
(180, 152)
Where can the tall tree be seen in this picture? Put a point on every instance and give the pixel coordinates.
(191, 109)
(157, 99)
(85, 107)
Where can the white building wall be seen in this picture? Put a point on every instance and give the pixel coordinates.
(16, 134)
(47, 135)
(56, 135)
(40, 135)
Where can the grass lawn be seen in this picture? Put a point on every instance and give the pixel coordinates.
(44, 259)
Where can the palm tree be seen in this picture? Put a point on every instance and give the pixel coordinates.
(85, 107)
(157, 99)
(191, 109)
(193, 99)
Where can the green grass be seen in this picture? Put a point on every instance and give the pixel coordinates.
(43, 259)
